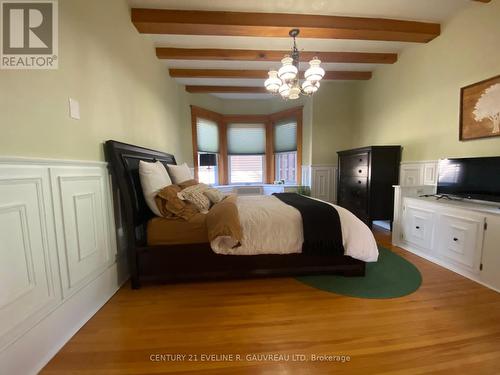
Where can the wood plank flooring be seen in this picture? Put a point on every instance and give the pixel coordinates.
(450, 325)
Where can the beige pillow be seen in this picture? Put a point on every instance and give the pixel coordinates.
(179, 173)
(194, 194)
(214, 195)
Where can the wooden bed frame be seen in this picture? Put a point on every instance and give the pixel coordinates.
(197, 261)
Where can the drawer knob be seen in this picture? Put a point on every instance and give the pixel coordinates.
(417, 227)
(359, 181)
(455, 239)
(360, 171)
(360, 160)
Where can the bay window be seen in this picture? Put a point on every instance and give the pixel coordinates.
(247, 149)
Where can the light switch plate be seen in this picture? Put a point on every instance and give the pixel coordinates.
(74, 109)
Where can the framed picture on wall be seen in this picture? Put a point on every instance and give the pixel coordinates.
(480, 110)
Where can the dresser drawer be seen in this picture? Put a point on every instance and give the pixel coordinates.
(354, 165)
(353, 194)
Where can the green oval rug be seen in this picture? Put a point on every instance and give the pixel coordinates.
(392, 276)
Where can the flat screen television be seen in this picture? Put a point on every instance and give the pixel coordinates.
(470, 178)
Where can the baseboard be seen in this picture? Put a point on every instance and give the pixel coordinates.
(448, 266)
(32, 351)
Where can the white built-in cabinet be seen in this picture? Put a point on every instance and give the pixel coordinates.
(449, 234)
(459, 235)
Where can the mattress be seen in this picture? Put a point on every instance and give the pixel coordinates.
(163, 231)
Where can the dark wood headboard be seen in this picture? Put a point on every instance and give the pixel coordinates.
(123, 163)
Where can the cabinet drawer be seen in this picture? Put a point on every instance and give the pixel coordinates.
(418, 228)
(460, 240)
(354, 165)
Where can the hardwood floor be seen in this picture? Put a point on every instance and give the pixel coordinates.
(450, 324)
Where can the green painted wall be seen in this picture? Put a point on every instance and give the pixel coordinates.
(124, 91)
(415, 102)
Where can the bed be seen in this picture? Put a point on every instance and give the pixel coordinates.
(153, 258)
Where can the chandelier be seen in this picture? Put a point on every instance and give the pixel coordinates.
(286, 82)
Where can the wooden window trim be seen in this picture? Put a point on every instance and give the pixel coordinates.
(268, 120)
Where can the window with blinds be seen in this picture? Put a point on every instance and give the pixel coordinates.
(246, 139)
(285, 150)
(246, 145)
(207, 135)
(285, 136)
(246, 169)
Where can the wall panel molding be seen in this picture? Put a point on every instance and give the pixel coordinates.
(418, 173)
(324, 182)
(58, 247)
(79, 196)
(29, 263)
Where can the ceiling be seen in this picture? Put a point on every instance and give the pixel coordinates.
(169, 31)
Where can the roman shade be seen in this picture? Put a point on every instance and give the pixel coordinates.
(285, 136)
(207, 134)
(246, 139)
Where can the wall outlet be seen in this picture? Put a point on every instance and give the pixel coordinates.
(74, 109)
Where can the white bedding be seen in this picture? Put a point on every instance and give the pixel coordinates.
(273, 227)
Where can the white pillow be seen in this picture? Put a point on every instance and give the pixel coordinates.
(179, 173)
(154, 177)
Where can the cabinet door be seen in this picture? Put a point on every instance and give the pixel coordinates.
(461, 239)
(418, 226)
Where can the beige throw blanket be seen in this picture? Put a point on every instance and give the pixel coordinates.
(223, 223)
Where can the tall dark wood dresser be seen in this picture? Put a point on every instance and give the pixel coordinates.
(365, 179)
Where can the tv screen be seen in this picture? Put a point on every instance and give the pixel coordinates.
(471, 178)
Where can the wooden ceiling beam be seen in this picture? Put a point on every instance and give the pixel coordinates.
(260, 74)
(262, 55)
(226, 89)
(196, 22)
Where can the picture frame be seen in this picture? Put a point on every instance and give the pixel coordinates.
(480, 110)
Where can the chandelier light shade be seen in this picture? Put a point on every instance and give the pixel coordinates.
(315, 72)
(273, 83)
(284, 91)
(309, 87)
(286, 82)
(288, 71)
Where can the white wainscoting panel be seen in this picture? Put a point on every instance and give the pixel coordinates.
(430, 173)
(83, 240)
(28, 261)
(323, 182)
(306, 175)
(59, 262)
(418, 173)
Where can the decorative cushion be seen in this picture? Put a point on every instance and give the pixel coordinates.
(187, 183)
(153, 178)
(194, 194)
(214, 195)
(170, 205)
(179, 173)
